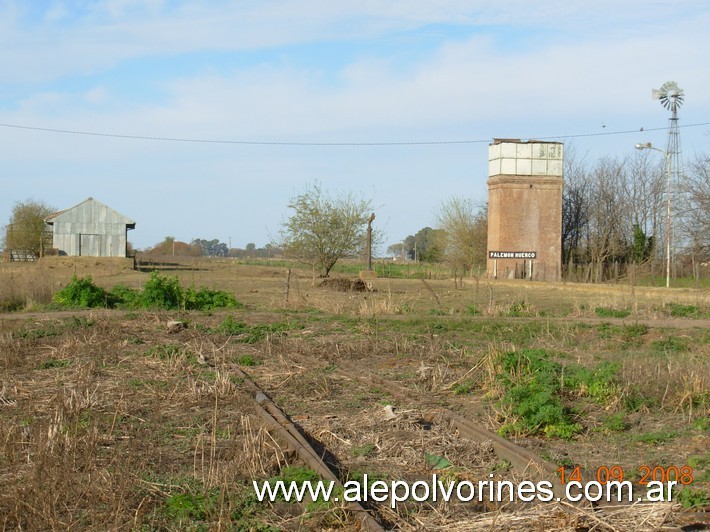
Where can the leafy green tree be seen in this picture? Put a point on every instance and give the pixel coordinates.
(642, 247)
(27, 230)
(324, 229)
(211, 248)
(424, 246)
(396, 250)
(171, 247)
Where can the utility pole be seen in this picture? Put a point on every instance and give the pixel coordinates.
(649, 146)
(369, 241)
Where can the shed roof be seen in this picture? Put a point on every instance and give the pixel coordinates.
(91, 203)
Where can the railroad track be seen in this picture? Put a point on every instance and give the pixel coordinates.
(522, 460)
(291, 436)
(294, 438)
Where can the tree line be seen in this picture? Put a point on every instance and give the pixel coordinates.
(200, 247)
(614, 214)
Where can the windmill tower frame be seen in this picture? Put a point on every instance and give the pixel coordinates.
(672, 98)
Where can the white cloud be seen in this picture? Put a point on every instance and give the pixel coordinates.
(115, 30)
(56, 12)
(96, 96)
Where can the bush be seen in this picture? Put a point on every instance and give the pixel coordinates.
(81, 293)
(161, 292)
(122, 296)
(206, 299)
(535, 386)
(532, 382)
(158, 292)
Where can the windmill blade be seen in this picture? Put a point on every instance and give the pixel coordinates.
(656, 94)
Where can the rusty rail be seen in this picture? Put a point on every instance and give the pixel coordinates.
(291, 436)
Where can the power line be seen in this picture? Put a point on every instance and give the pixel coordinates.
(325, 144)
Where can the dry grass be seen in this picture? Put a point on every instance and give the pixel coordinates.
(107, 421)
(22, 289)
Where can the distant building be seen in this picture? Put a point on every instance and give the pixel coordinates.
(525, 180)
(90, 229)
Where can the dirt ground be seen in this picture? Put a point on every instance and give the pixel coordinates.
(110, 421)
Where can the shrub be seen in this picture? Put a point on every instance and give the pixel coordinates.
(122, 296)
(600, 384)
(81, 293)
(206, 299)
(158, 292)
(691, 498)
(532, 391)
(161, 292)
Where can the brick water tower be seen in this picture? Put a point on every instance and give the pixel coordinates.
(525, 181)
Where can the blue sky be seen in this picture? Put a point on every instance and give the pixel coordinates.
(324, 71)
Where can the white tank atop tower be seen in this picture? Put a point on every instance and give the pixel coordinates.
(525, 209)
(531, 158)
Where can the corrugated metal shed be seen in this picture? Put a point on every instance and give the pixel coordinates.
(90, 229)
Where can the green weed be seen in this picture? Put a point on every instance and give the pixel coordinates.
(296, 474)
(247, 360)
(684, 311)
(634, 331)
(121, 296)
(615, 423)
(521, 309)
(606, 312)
(702, 424)
(464, 387)
(691, 498)
(249, 334)
(55, 363)
(158, 292)
(471, 310)
(607, 330)
(81, 293)
(532, 384)
(41, 332)
(165, 351)
(670, 346)
(161, 292)
(363, 450)
(599, 384)
(206, 299)
(654, 438)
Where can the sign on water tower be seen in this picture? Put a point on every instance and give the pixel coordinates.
(525, 209)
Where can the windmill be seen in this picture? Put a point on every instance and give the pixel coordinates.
(671, 97)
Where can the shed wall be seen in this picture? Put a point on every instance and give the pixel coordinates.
(90, 229)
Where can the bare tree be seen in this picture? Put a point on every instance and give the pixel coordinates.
(576, 200)
(698, 182)
(324, 229)
(464, 228)
(608, 231)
